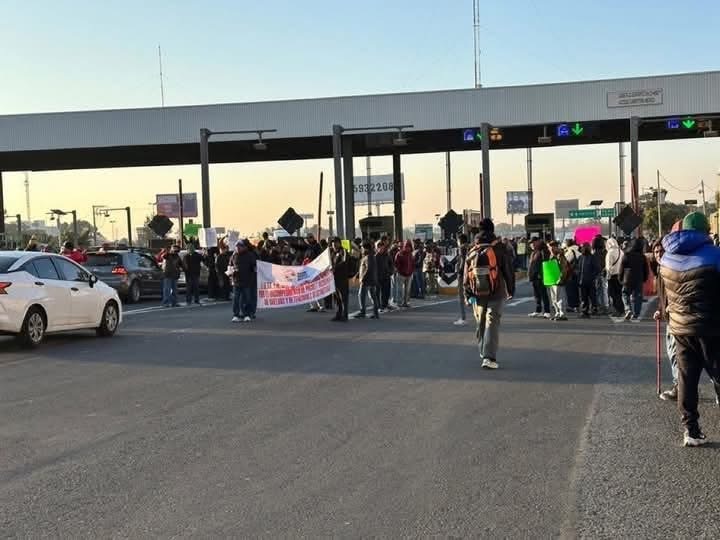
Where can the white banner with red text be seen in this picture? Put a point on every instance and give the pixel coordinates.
(286, 286)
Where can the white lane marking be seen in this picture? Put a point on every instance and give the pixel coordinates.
(520, 301)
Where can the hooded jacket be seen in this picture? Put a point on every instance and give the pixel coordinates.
(690, 272)
(404, 261)
(634, 267)
(613, 259)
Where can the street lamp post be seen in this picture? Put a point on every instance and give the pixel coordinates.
(94, 213)
(126, 209)
(345, 217)
(205, 135)
(59, 213)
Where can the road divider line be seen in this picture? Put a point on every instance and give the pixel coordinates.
(520, 301)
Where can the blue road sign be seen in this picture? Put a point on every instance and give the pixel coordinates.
(563, 130)
(469, 135)
(673, 123)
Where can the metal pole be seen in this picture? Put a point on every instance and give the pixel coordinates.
(205, 177)
(397, 196)
(448, 181)
(530, 181)
(369, 185)
(487, 206)
(19, 226)
(347, 153)
(319, 218)
(634, 174)
(702, 190)
(658, 206)
(129, 225)
(337, 164)
(94, 227)
(621, 158)
(75, 228)
(182, 212)
(482, 198)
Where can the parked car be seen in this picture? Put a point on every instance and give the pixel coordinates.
(42, 293)
(133, 274)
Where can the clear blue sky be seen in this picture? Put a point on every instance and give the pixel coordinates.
(60, 55)
(81, 54)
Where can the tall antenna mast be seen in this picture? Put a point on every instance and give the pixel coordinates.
(162, 87)
(476, 41)
(27, 195)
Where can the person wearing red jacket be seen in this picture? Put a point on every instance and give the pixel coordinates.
(405, 266)
(74, 254)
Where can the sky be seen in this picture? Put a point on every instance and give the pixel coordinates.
(62, 55)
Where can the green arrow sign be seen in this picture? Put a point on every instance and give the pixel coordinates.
(577, 129)
(688, 123)
(590, 213)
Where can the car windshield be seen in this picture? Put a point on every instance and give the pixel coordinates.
(103, 259)
(6, 261)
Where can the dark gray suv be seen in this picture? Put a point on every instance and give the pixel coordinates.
(134, 275)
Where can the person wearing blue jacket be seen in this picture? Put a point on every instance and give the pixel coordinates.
(588, 270)
(690, 272)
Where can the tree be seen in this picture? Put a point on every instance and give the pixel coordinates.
(85, 233)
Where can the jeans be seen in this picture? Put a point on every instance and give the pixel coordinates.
(396, 289)
(573, 292)
(342, 294)
(419, 281)
(404, 288)
(557, 299)
(169, 292)
(192, 289)
(461, 297)
(489, 341)
(601, 286)
(364, 290)
(633, 299)
(431, 282)
(242, 302)
(385, 292)
(615, 294)
(694, 353)
(587, 294)
(542, 300)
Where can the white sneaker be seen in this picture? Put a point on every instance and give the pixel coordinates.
(534, 314)
(236, 319)
(547, 316)
(489, 364)
(460, 322)
(247, 319)
(695, 439)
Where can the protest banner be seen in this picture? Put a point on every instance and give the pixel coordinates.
(286, 286)
(586, 234)
(207, 237)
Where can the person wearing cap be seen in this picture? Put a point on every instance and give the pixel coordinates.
(172, 267)
(490, 310)
(690, 272)
(244, 266)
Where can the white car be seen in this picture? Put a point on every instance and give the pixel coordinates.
(42, 293)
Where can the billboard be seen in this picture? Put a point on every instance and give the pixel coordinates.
(518, 202)
(540, 225)
(381, 187)
(563, 208)
(168, 204)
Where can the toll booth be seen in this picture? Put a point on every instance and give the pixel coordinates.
(540, 226)
(373, 227)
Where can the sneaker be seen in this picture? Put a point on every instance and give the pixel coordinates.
(694, 438)
(560, 318)
(535, 314)
(489, 363)
(312, 310)
(670, 395)
(628, 316)
(460, 322)
(359, 316)
(236, 319)
(247, 319)
(546, 316)
(635, 319)
(321, 310)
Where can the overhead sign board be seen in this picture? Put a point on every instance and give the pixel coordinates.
(635, 98)
(168, 204)
(517, 202)
(424, 231)
(381, 186)
(589, 213)
(565, 206)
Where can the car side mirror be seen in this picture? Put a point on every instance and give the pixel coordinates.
(92, 280)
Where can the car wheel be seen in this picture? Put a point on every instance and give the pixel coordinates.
(134, 293)
(110, 320)
(33, 329)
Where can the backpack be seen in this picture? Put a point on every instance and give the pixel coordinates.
(481, 271)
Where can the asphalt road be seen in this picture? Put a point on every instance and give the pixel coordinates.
(187, 425)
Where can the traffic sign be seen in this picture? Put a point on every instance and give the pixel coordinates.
(590, 213)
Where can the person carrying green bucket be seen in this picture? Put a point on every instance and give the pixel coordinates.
(556, 272)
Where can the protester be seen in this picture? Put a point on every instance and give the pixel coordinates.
(572, 288)
(557, 291)
(418, 276)
(634, 272)
(192, 262)
(368, 276)
(431, 266)
(394, 280)
(172, 267)
(690, 273)
(338, 257)
(588, 271)
(73, 254)
(461, 257)
(539, 255)
(601, 283)
(489, 281)
(244, 268)
(661, 315)
(405, 266)
(613, 273)
(384, 271)
(222, 262)
(32, 244)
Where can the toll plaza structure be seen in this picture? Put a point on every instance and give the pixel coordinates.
(489, 118)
